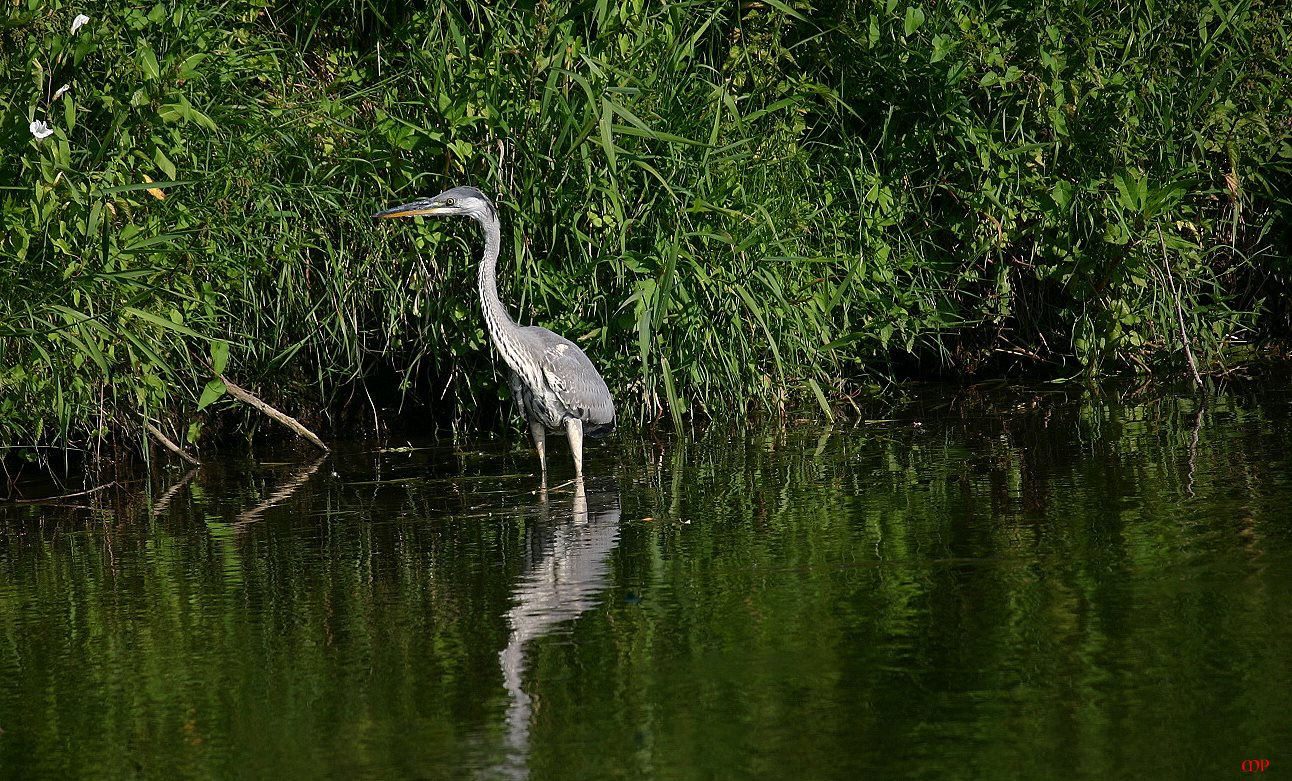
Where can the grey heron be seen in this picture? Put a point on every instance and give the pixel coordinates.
(554, 384)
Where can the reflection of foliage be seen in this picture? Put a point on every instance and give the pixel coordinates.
(728, 205)
(801, 599)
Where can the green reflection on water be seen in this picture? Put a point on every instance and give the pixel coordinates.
(1067, 589)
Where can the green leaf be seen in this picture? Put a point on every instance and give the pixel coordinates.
(785, 8)
(219, 355)
(1176, 242)
(1117, 233)
(189, 69)
(844, 341)
(1165, 198)
(182, 109)
(914, 19)
(211, 393)
(941, 47)
(201, 119)
(1127, 189)
(162, 321)
(607, 137)
(164, 164)
(820, 399)
(148, 62)
(1058, 120)
(172, 112)
(1062, 193)
(69, 113)
(670, 392)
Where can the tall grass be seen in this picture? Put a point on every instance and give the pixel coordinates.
(729, 206)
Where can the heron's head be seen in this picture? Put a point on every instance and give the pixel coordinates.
(460, 201)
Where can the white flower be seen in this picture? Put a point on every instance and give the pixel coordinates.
(40, 130)
(78, 21)
(61, 90)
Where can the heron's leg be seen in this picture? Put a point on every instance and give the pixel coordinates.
(574, 430)
(540, 435)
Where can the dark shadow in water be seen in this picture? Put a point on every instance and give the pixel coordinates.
(566, 570)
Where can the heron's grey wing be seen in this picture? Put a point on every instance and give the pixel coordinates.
(576, 383)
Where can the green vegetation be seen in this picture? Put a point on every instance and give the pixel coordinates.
(730, 206)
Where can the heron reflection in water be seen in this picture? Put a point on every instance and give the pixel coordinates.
(567, 568)
(554, 384)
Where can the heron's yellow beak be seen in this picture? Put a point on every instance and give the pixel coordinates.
(422, 208)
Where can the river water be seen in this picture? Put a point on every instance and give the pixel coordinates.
(1018, 583)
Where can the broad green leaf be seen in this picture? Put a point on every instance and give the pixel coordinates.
(914, 19)
(1117, 233)
(147, 60)
(1058, 120)
(1127, 190)
(941, 46)
(164, 164)
(219, 355)
(189, 68)
(201, 119)
(213, 391)
(1062, 193)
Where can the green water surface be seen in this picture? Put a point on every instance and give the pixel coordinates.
(1029, 585)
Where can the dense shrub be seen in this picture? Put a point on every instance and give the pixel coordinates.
(728, 205)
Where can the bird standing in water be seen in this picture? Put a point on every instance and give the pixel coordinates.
(555, 385)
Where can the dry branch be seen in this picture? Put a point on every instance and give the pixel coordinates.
(246, 396)
(170, 445)
(74, 494)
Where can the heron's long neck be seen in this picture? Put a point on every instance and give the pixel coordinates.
(499, 323)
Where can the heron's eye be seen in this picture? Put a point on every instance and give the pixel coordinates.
(450, 201)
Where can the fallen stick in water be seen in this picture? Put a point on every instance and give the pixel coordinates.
(170, 445)
(244, 395)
